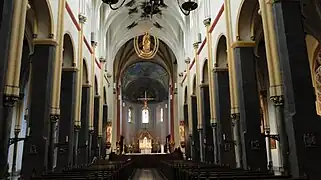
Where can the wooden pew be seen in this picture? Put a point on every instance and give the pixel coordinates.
(106, 170)
(190, 170)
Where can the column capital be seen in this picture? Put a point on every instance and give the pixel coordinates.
(102, 60)
(195, 45)
(187, 60)
(277, 100)
(54, 118)
(82, 18)
(207, 21)
(10, 100)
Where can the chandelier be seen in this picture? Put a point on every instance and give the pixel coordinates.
(153, 5)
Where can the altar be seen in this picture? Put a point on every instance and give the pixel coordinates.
(145, 143)
(145, 146)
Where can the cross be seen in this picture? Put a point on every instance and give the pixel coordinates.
(145, 99)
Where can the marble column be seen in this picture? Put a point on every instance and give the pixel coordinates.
(253, 142)
(301, 126)
(95, 139)
(207, 129)
(195, 134)
(222, 100)
(66, 122)
(35, 155)
(5, 113)
(84, 129)
(186, 127)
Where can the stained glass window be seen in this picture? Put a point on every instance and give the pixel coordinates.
(161, 114)
(129, 115)
(145, 116)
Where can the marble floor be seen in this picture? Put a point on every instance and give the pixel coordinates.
(147, 174)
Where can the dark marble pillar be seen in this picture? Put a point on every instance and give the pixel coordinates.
(95, 138)
(84, 129)
(195, 134)
(66, 122)
(5, 113)
(222, 101)
(253, 142)
(207, 129)
(35, 155)
(303, 126)
(187, 133)
(104, 138)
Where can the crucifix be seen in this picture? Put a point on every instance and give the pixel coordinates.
(145, 99)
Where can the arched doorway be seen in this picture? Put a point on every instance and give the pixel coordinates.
(83, 157)
(195, 134)
(206, 115)
(222, 92)
(67, 109)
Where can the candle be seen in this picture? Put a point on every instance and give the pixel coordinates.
(28, 131)
(114, 85)
(175, 85)
(66, 138)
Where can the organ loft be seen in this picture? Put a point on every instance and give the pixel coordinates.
(160, 89)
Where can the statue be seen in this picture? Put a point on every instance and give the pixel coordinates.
(146, 43)
(146, 46)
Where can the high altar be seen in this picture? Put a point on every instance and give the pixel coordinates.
(145, 143)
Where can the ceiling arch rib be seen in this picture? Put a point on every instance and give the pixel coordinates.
(172, 9)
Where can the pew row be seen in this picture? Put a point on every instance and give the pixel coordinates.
(104, 170)
(190, 170)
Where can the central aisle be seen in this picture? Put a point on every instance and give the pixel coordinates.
(147, 174)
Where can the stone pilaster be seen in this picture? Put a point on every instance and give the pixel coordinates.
(301, 123)
(253, 143)
(36, 148)
(225, 137)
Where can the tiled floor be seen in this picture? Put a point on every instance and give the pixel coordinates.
(147, 174)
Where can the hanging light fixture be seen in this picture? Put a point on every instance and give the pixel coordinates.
(153, 5)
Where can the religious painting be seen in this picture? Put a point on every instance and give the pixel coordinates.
(108, 132)
(182, 131)
(273, 144)
(318, 89)
(146, 46)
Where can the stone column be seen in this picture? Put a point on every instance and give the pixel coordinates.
(207, 129)
(105, 121)
(95, 149)
(35, 156)
(84, 129)
(195, 134)
(7, 24)
(301, 125)
(186, 127)
(253, 143)
(225, 136)
(66, 123)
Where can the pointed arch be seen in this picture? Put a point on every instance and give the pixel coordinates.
(246, 16)
(194, 85)
(221, 52)
(85, 79)
(44, 25)
(105, 95)
(68, 53)
(185, 95)
(205, 72)
(96, 86)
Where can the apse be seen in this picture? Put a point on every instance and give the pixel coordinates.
(145, 78)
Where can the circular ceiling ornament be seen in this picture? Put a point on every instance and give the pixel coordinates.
(146, 46)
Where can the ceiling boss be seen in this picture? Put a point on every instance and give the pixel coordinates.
(146, 46)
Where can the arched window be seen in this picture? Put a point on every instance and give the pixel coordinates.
(129, 115)
(145, 116)
(161, 115)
